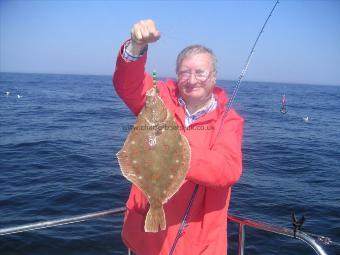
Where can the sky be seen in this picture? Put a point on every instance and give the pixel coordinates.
(300, 44)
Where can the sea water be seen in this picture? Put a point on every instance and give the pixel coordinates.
(59, 135)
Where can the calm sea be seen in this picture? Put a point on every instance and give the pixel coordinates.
(59, 138)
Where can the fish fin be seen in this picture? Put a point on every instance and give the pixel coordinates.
(124, 163)
(155, 219)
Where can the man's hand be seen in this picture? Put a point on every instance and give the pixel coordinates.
(142, 33)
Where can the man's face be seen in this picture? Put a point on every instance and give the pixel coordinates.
(196, 78)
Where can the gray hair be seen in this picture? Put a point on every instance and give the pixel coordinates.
(193, 50)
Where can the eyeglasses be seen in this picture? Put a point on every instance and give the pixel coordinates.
(200, 75)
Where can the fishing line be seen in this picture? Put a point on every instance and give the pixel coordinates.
(244, 70)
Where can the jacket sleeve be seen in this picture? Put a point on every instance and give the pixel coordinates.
(131, 82)
(220, 166)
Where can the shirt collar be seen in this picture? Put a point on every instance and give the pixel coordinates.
(190, 118)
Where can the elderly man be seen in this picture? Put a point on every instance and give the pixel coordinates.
(198, 107)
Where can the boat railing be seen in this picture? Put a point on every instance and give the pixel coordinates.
(300, 235)
(59, 222)
(242, 222)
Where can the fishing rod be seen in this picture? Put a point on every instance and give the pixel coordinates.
(244, 70)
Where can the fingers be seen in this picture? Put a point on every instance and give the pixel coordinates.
(144, 32)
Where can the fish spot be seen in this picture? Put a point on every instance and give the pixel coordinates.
(177, 161)
(171, 176)
(133, 142)
(140, 177)
(134, 161)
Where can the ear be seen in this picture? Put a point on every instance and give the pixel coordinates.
(213, 76)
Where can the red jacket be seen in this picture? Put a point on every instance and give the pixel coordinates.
(215, 166)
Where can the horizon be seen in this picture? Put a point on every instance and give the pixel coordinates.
(300, 44)
(164, 78)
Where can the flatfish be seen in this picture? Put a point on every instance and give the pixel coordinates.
(155, 157)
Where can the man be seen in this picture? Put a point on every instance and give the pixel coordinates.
(198, 107)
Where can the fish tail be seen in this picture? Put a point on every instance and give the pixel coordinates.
(155, 219)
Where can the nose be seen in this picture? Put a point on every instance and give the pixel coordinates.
(192, 78)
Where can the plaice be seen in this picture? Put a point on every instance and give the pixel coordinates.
(155, 157)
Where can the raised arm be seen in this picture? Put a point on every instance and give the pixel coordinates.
(129, 78)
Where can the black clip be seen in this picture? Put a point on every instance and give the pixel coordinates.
(297, 224)
(283, 110)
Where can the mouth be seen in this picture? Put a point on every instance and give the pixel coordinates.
(192, 88)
